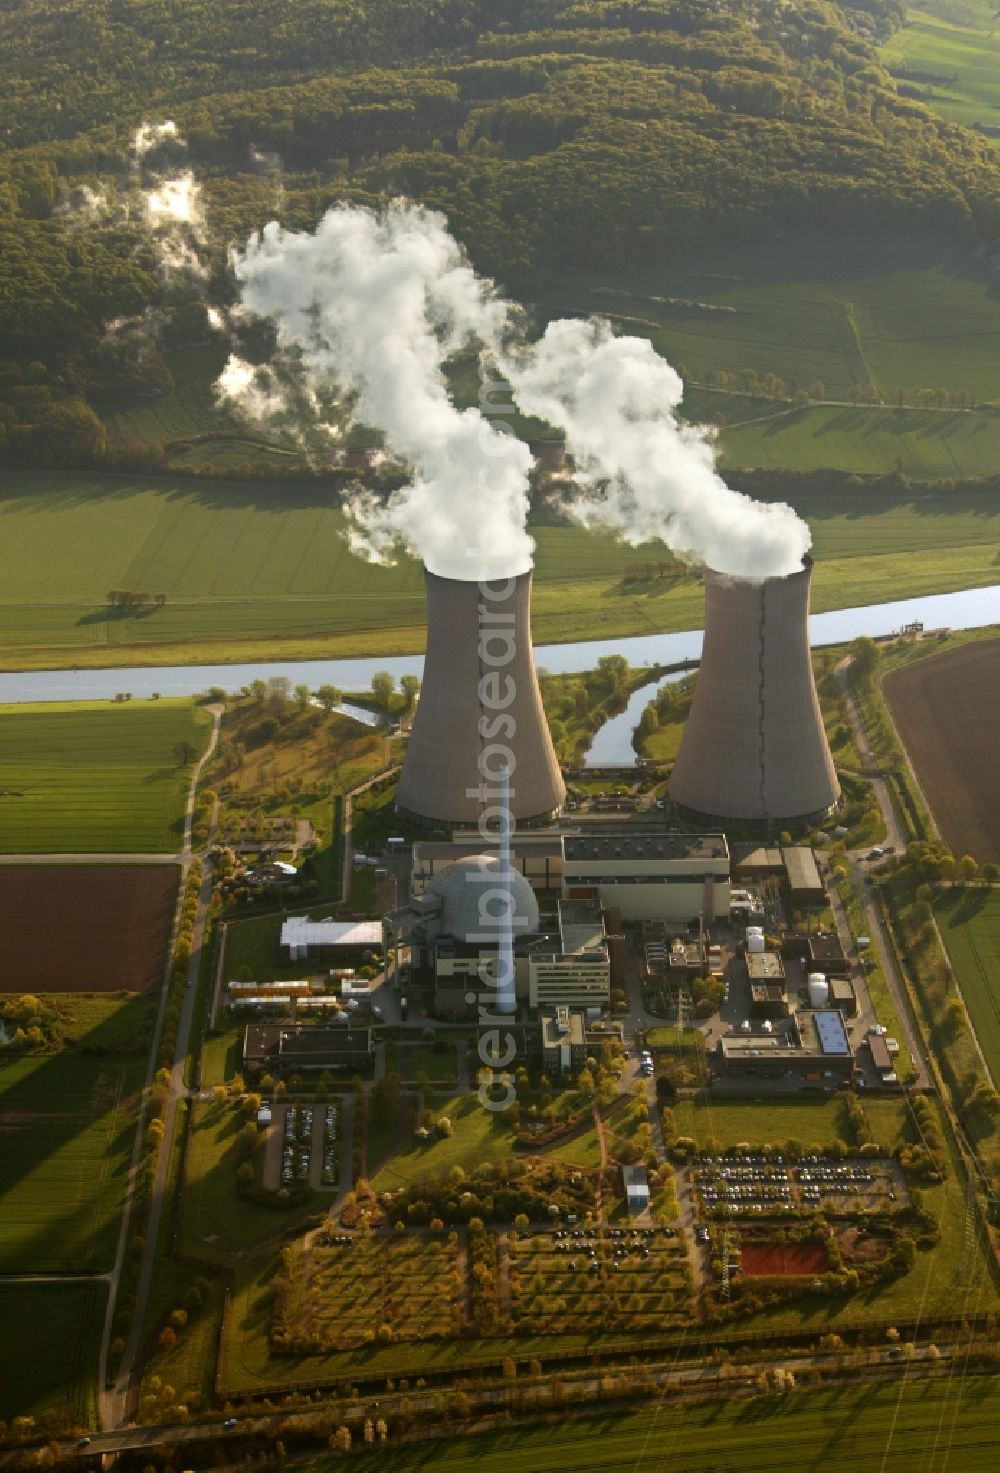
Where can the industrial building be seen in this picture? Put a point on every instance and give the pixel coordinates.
(812, 1046)
(754, 748)
(302, 938)
(805, 887)
(768, 987)
(479, 683)
(535, 854)
(578, 974)
(564, 1041)
(279, 1049)
(648, 874)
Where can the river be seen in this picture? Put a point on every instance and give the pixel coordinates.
(967, 609)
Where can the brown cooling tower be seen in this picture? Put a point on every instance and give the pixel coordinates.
(479, 699)
(754, 747)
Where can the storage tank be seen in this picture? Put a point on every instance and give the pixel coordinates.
(819, 990)
(479, 705)
(754, 747)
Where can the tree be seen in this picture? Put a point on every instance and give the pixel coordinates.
(864, 656)
(340, 1442)
(302, 696)
(329, 697)
(383, 686)
(967, 868)
(184, 751)
(410, 686)
(168, 1337)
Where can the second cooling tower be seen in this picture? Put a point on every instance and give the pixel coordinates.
(479, 701)
(754, 747)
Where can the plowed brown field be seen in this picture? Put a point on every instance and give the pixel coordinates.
(84, 928)
(947, 710)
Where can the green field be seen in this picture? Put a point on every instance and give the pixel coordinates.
(847, 310)
(96, 777)
(970, 925)
(925, 443)
(68, 1127)
(949, 52)
(478, 1136)
(266, 572)
(49, 1352)
(944, 1426)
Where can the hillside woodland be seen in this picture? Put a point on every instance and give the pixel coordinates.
(551, 134)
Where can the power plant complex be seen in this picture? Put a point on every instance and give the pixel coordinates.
(754, 749)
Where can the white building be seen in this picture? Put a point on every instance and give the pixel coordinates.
(649, 875)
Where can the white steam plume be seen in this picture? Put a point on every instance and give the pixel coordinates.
(150, 135)
(640, 471)
(370, 307)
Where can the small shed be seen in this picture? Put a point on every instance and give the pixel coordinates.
(636, 1189)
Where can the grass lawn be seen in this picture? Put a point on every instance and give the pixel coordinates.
(478, 1135)
(214, 1218)
(949, 51)
(68, 1128)
(969, 921)
(889, 1428)
(761, 1121)
(241, 581)
(95, 776)
(48, 1356)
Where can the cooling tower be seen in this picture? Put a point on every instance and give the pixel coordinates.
(479, 703)
(754, 747)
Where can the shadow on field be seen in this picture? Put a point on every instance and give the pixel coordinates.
(58, 1202)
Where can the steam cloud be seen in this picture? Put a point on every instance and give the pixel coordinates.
(639, 470)
(368, 309)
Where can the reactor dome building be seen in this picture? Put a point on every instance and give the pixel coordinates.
(480, 708)
(754, 747)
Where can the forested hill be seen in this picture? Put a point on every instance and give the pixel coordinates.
(551, 133)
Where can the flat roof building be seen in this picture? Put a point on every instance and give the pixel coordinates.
(564, 1040)
(283, 1049)
(804, 883)
(813, 1047)
(301, 937)
(644, 873)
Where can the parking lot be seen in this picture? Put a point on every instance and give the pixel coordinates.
(303, 1146)
(756, 1186)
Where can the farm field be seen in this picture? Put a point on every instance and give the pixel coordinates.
(946, 709)
(969, 921)
(96, 777)
(240, 580)
(924, 443)
(68, 1125)
(113, 926)
(889, 1428)
(842, 309)
(48, 1357)
(949, 52)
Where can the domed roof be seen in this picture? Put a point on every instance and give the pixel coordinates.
(470, 908)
